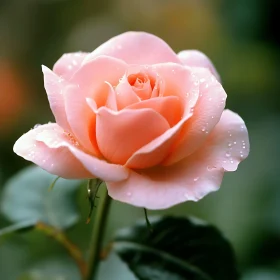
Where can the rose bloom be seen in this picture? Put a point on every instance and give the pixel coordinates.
(149, 122)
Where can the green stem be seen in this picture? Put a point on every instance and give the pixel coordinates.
(99, 224)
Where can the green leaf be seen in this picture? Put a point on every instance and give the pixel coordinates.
(26, 197)
(19, 227)
(176, 249)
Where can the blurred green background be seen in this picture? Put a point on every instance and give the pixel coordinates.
(242, 39)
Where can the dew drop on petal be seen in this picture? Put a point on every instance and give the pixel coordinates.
(129, 194)
(228, 154)
(196, 179)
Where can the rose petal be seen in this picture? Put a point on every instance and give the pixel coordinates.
(111, 102)
(90, 81)
(193, 177)
(125, 95)
(176, 80)
(68, 64)
(136, 48)
(206, 115)
(52, 149)
(58, 161)
(229, 141)
(54, 87)
(163, 187)
(197, 59)
(157, 150)
(120, 134)
(169, 107)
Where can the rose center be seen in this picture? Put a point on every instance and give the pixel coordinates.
(137, 80)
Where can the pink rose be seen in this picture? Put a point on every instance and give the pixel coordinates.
(148, 122)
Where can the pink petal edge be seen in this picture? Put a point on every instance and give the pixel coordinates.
(68, 64)
(136, 48)
(53, 150)
(195, 58)
(54, 86)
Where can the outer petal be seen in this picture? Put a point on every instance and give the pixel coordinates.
(58, 153)
(137, 48)
(196, 58)
(229, 141)
(90, 81)
(54, 87)
(58, 161)
(68, 64)
(191, 178)
(206, 115)
(120, 134)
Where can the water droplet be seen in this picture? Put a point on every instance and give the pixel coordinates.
(37, 125)
(207, 85)
(191, 110)
(203, 129)
(202, 80)
(74, 62)
(212, 117)
(229, 144)
(242, 156)
(231, 161)
(196, 83)
(244, 147)
(228, 154)
(44, 160)
(196, 178)
(234, 143)
(129, 194)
